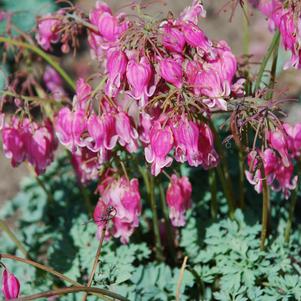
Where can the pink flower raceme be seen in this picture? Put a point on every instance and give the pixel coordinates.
(278, 176)
(171, 71)
(48, 31)
(139, 76)
(26, 140)
(110, 28)
(116, 67)
(54, 83)
(161, 143)
(10, 285)
(122, 195)
(283, 18)
(178, 197)
(40, 144)
(254, 175)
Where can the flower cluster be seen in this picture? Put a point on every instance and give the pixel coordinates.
(120, 201)
(277, 160)
(286, 19)
(24, 139)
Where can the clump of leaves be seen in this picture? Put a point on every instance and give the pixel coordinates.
(231, 265)
(224, 257)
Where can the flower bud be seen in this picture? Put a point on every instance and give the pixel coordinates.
(10, 285)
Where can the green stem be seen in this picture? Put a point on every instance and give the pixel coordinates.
(273, 70)
(223, 171)
(290, 216)
(41, 267)
(241, 180)
(168, 226)
(199, 282)
(213, 189)
(68, 290)
(13, 237)
(246, 36)
(42, 185)
(83, 190)
(264, 63)
(292, 209)
(265, 208)
(43, 55)
(158, 245)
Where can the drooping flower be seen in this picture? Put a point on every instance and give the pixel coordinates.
(193, 12)
(195, 37)
(293, 138)
(207, 151)
(285, 181)
(194, 144)
(278, 176)
(286, 19)
(173, 39)
(178, 197)
(208, 83)
(102, 132)
(122, 195)
(110, 27)
(28, 140)
(186, 135)
(69, 127)
(278, 141)
(13, 143)
(171, 71)
(116, 67)
(10, 285)
(161, 143)
(127, 134)
(139, 76)
(40, 144)
(48, 31)
(83, 93)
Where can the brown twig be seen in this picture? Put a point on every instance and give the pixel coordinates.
(180, 280)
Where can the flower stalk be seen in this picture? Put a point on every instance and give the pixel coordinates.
(43, 55)
(265, 208)
(273, 45)
(213, 190)
(156, 229)
(96, 260)
(4, 227)
(75, 289)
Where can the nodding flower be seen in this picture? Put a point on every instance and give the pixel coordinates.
(10, 285)
(178, 198)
